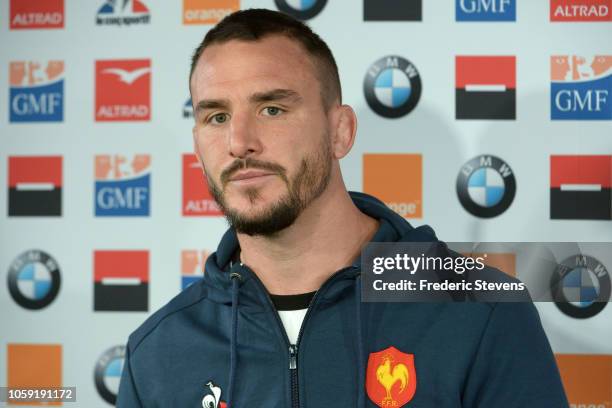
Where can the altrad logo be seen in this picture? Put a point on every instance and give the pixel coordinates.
(123, 90)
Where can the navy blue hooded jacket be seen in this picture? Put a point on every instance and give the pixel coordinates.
(221, 342)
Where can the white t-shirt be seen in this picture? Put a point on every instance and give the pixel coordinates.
(292, 320)
(292, 310)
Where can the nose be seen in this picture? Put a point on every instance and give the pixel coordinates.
(243, 139)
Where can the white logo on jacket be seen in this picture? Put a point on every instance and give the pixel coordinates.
(213, 400)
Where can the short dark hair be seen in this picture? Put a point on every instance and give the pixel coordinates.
(255, 24)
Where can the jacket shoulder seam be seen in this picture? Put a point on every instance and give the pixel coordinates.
(161, 319)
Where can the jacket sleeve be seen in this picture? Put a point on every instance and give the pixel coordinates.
(514, 366)
(128, 396)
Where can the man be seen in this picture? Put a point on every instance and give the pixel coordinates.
(278, 320)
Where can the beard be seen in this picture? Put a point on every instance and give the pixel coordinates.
(309, 182)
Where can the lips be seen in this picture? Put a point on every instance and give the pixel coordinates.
(249, 174)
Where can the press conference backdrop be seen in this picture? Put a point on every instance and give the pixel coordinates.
(487, 119)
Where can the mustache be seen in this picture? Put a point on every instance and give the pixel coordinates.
(250, 163)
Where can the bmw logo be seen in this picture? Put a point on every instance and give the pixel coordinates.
(486, 186)
(392, 86)
(107, 373)
(581, 286)
(301, 9)
(34, 279)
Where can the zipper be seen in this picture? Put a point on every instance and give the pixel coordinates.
(295, 390)
(293, 348)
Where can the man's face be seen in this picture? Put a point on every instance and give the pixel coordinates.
(261, 133)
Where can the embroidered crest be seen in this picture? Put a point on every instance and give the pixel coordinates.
(391, 378)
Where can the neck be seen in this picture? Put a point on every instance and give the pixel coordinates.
(326, 237)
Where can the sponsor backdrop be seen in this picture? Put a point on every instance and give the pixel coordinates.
(488, 119)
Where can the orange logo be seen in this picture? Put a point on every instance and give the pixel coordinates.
(586, 378)
(397, 180)
(208, 11)
(34, 366)
(391, 378)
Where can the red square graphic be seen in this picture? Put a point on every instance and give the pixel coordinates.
(123, 90)
(197, 200)
(26, 14)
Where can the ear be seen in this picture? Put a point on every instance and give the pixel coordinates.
(344, 122)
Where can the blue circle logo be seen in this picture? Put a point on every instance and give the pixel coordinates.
(486, 186)
(107, 374)
(392, 86)
(301, 9)
(34, 279)
(581, 286)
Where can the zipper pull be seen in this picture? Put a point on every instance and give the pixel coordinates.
(292, 357)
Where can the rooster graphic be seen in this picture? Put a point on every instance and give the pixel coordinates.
(387, 377)
(213, 400)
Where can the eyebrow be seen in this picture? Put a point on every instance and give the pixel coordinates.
(275, 95)
(258, 97)
(207, 104)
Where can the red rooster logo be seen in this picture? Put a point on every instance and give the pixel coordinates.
(391, 378)
(388, 378)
